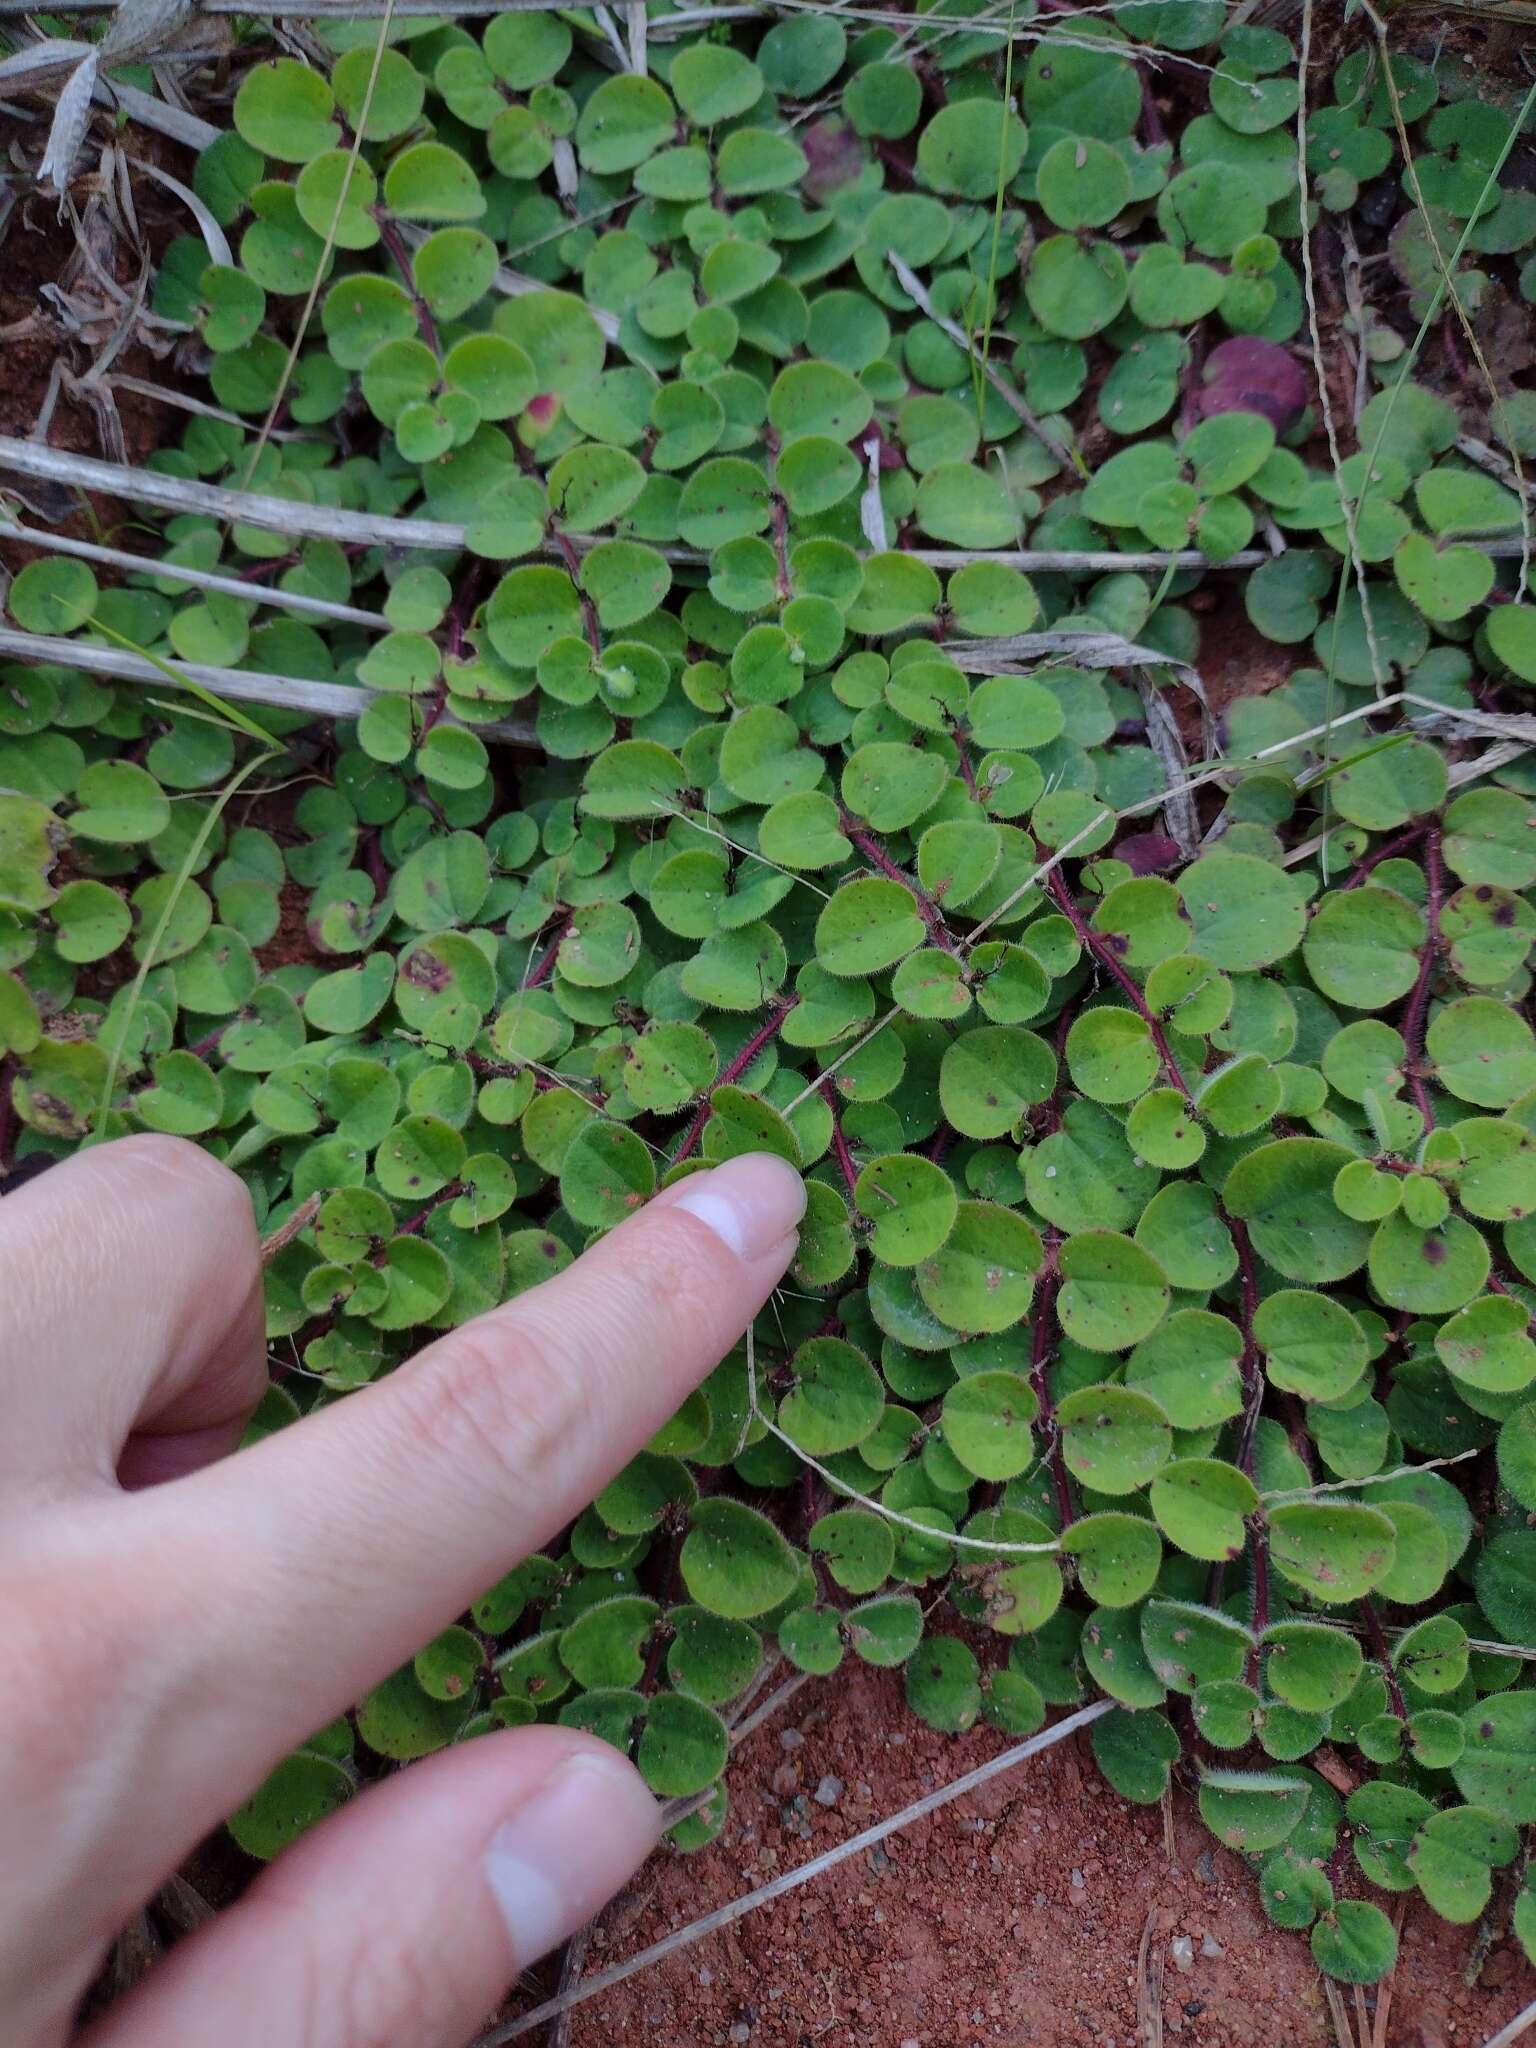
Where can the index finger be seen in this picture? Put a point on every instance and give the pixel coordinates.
(320, 1559)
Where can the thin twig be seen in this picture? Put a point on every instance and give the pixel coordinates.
(865, 1500)
(278, 1240)
(1370, 1478)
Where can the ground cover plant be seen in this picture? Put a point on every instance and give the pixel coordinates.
(821, 434)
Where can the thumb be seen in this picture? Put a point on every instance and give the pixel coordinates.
(406, 1916)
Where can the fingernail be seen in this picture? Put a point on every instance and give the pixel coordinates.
(568, 1848)
(751, 1203)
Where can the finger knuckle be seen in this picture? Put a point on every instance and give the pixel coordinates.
(56, 1712)
(494, 1395)
(188, 1169)
(667, 1272)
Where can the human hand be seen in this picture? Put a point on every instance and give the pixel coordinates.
(174, 1620)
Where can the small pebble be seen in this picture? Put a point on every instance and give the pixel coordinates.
(1205, 1867)
(829, 1791)
(1077, 1880)
(790, 1738)
(1212, 1947)
(706, 1978)
(1182, 1949)
(741, 2031)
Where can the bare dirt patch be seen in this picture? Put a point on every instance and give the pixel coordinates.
(1011, 1919)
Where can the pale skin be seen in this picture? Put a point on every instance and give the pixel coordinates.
(176, 1616)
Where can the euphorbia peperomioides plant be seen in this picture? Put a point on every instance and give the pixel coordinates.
(1162, 1310)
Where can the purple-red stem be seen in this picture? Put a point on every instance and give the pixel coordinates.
(1248, 1365)
(1048, 1119)
(967, 773)
(437, 704)
(1258, 1536)
(414, 1225)
(1388, 850)
(733, 1072)
(400, 256)
(1412, 1026)
(1042, 1329)
(462, 610)
(781, 546)
(1376, 1636)
(894, 162)
(667, 1583)
(1503, 1287)
(1104, 953)
(544, 966)
(373, 861)
(877, 857)
(572, 562)
(840, 1151)
(206, 1044)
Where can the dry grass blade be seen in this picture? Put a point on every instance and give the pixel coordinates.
(1387, 1990)
(1151, 1961)
(1325, 400)
(1338, 2012)
(325, 522)
(250, 508)
(1516, 480)
(149, 112)
(1167, 742)
(572, 1963)
(327, 247)
(1517, 2029)
(778, 1699)
(1078, 650)
(197, 579)
(1054, 444)
(325, 700)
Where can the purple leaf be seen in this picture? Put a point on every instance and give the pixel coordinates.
(1148, 853)
(835, 155)
(1250, 375)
